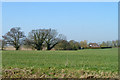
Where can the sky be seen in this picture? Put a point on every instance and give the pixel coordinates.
(91, 21)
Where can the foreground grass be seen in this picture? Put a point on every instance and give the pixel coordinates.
(92, 61)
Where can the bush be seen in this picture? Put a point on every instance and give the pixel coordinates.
(105, 47)
(92, 48)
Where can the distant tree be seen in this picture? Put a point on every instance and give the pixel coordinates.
(115, 43)
(53, 38)
(118, 43)
(77, 45)
(84, 43)
(36, 38)
(74, 45)
(63, 45)
(109, 44)
(14, 37)
(103, 44)
(81, 43)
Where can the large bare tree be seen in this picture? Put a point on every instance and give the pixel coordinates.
(53, 38)
(14, 37)
(43, 38)
(36, 38)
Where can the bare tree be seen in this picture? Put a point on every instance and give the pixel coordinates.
(53, 38)
(36, 38)
(14, 37)
(109, 43)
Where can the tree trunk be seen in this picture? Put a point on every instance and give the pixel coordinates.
(2, 48)
(48, 47)
(17, 48)
(39, 48)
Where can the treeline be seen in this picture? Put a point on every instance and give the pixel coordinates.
(74, 45)
(47, 39)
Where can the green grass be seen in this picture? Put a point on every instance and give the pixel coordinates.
(89, 59)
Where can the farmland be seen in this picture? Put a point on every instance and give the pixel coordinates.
(95, 61)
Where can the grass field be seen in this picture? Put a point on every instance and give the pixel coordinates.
(98, 60)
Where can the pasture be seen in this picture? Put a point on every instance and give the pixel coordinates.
(96, 60)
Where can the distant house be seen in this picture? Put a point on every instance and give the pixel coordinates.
(93, 45)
